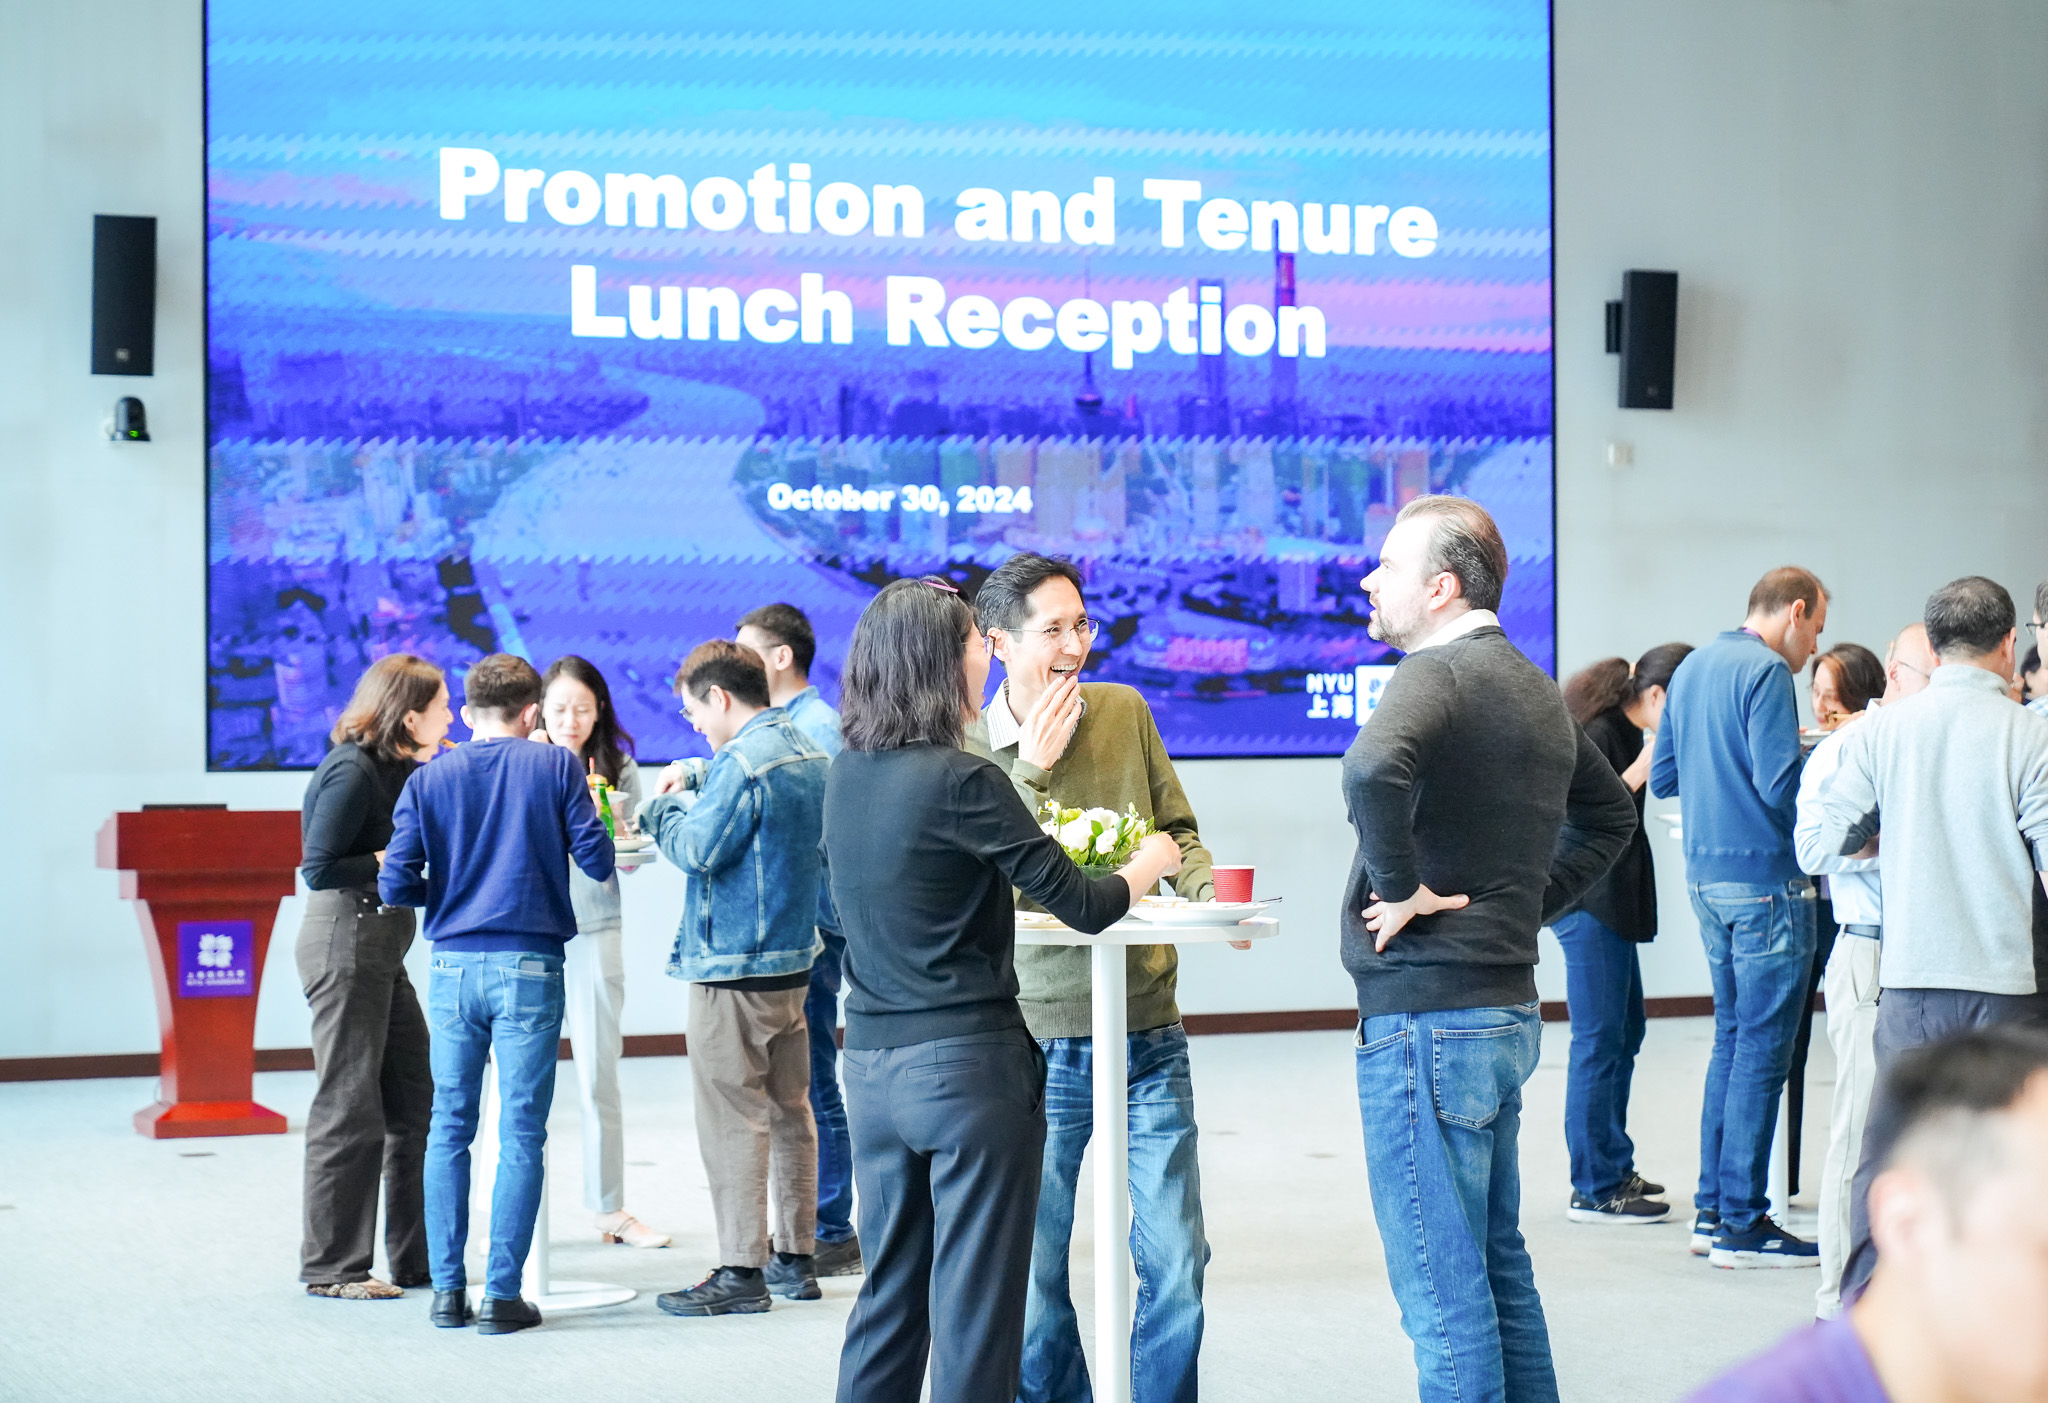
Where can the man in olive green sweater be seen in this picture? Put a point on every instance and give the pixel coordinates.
(1088, 746)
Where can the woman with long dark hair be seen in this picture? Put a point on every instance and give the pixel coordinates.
(1616, 704)
(576, 713)
(375, 1089)
(945, 1087)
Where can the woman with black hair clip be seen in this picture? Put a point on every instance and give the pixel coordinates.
(945, 1086)
(1616, 704)
(577, 714)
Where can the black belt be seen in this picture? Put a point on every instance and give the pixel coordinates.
(1867, 932)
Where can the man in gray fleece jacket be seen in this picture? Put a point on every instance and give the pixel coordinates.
(1958, 775)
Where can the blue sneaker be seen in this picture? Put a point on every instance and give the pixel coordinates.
(1705, 1224)
(1764, 1247)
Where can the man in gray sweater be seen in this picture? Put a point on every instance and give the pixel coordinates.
(1482, 811)
(1959, 777)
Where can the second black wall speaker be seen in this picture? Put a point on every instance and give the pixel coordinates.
(123, 294)
(1643, 329)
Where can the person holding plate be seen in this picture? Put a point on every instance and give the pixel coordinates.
(576, 713)
(1095, 745)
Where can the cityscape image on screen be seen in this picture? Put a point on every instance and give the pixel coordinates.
(558, 329)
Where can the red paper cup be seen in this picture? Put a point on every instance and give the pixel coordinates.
(1232, 883)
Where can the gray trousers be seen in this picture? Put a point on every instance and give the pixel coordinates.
(375, 1092)
(750, 1065)
(948, 1137)
(1906, 1019)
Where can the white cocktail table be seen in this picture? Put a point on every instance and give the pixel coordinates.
(1112, 1119)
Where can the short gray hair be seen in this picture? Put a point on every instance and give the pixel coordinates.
(1465, 542)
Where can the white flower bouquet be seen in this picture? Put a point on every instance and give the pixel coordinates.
(1098, 840)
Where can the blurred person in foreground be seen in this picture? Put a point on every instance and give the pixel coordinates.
(1482, 811)
(1856, 896)
(1957, 1310)
(1616, 704)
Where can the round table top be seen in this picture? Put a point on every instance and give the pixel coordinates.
(1130, 932)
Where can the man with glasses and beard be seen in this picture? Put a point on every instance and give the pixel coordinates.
(1089, 745)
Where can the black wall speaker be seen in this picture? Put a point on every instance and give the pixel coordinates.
(1643, 329)
(123, 294)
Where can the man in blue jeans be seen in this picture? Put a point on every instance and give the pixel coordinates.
(1482, 811)
(1087, 745)
(482, 837)
(1729, 749)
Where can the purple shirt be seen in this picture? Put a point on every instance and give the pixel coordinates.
(1822, 1363)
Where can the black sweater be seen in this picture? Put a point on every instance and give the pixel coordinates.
(1472, 779)
(346, 818)
(1625, 899)
(924, 845)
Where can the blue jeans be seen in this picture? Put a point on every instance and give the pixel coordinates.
(1168, 1243)
(1603, 982)
(1441, 1098)
(1759, 942)
(828, 1108)
(506, 1005)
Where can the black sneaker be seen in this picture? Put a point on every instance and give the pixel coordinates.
(1636, 1186)
(503, 1317)
(838, 1258)
(1705, 1224)
(1622, 1208)
(451, 1309)
(1763, 1247)
(792, 1277)
(727, 1291)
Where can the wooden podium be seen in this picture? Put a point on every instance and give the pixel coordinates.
(205, 883)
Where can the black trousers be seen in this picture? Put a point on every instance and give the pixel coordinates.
(947, 1140)
(1906, 1019)
(375, 1097)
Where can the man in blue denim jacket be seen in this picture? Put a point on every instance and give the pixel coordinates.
(749, 935)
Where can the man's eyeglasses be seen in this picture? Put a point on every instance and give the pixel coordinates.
(1925, 675)
(1083, 630)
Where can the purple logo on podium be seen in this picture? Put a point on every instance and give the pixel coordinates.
(216, 959)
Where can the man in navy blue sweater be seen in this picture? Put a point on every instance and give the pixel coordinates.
(1729, 749)
(482, 838)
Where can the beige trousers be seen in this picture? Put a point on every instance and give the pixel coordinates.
(750, 1064)
(1851, 985)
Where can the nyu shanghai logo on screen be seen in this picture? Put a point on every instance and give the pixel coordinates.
(215, 959)
(1347, 696)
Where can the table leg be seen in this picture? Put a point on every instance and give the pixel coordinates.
(1112, 1179)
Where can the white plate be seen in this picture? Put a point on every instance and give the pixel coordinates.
(1037, 920)
(633, 842)
(1200, 913)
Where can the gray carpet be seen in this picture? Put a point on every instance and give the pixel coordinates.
(145, 1270)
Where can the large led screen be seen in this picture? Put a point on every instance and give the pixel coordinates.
(555, 328)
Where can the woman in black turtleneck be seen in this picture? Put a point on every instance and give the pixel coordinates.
(369, 1116)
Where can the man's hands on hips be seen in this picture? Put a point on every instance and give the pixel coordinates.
(1386, 918)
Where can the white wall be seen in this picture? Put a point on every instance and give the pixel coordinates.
(1851, 194)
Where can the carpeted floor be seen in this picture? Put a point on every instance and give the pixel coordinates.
(157, 1270)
